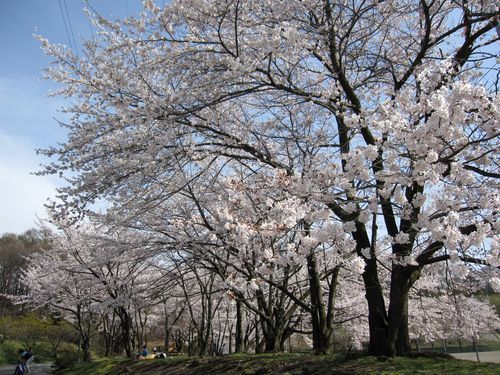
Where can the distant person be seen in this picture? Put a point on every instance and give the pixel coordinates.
(144, 352)
(19, 368)
(27, 358)
(27, 368)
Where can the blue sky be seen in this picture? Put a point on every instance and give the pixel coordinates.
(27, 115)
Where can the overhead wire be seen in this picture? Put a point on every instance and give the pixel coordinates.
(65, 25)
(70, 27)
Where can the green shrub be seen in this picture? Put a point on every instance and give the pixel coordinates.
(67, 355)
(9, 351)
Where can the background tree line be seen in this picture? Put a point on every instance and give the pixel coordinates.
(14, 253)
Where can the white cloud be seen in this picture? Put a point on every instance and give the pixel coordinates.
(22, 195)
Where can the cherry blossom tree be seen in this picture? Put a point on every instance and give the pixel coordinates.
(92, 271)
(378, 111)
(263, 242)
(54, 283)
(445, 304)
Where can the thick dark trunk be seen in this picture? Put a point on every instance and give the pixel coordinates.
(389, 334)
(110, 344)
(273, 341)
(205, 327)
(202, 345)
(107, 347)
(377, 316)
(168, 331)
(274, 330)
(258, 346)
(191, 344)
(321, 332)
(398, 340)
(86, 349)
(238, 345)
(273, 322)
(403, 344)
(321, 312)
(126, 326)
(179, 340)
(107, 337)
(324, 343)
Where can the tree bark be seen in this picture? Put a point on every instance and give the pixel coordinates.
(238, 345)
(377, 316)
(167, 334)
(86, 349)
(126, 326)
(272, 341)
(397, 340)
(321, 313)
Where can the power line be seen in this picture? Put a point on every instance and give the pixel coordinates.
(70, 27)
(65, 25)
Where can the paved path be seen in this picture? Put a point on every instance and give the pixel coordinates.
(36, 369)
(483, 356)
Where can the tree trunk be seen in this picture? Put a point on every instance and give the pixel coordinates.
(389, 334)
(397, 340)
(417, 347)
(238, 345)
(403, 345)
(377, 316)
(474, 343)
(107, 345)
(167, 335)
(274, 329)
(205, 328)
(322, 331)
(258, 347)
(86, 349)
(126, 326)
(273, 341)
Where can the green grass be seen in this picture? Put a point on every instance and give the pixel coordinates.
(284, 364)
(100, 366)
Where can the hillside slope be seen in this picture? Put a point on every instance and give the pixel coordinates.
(283, 364)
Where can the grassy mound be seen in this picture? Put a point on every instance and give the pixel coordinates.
(283, 364)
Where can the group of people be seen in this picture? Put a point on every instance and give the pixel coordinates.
(23, 364)
(145, 353)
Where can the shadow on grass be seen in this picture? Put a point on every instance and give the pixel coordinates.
(288, 364)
